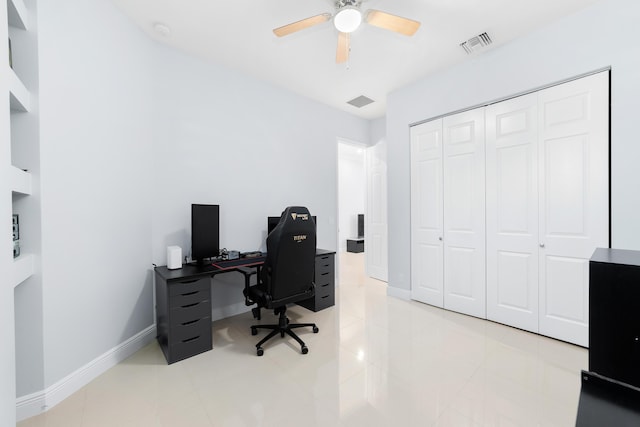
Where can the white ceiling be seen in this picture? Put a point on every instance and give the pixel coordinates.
(238, 34)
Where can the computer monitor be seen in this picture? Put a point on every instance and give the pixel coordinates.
(272, 221)
(205, 232)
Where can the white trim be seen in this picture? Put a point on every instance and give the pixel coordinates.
(403, 294)
(39, 402)
(515, 95)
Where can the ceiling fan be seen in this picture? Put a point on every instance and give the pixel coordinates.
(347, 19)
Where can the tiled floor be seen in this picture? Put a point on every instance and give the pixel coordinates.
(377, 361)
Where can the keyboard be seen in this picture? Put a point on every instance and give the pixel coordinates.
(240, 262)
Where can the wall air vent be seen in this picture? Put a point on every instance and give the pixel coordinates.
(476, 43)
(360, 101)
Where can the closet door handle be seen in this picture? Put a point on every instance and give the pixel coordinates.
(440, 238)
(542, 245)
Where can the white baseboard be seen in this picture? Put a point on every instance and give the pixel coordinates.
(404, 294)
(39, 402)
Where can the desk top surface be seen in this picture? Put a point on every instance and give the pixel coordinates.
(191, 271)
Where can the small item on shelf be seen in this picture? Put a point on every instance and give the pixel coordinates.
(16, 227)
(16, 235)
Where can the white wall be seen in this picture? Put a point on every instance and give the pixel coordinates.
(352, 190)
(132, 133)
(599, 36)
(223, 138)
(96, 159)
(378, 130)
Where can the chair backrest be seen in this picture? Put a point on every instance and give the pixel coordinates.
(291, 250)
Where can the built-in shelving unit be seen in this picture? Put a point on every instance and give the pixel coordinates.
(20, 181)
(23, 141)
(21, 287)
(23, 268)
(17, 14)
(19, 94)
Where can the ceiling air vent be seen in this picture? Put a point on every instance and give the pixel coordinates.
(360, 101)
(476, 43)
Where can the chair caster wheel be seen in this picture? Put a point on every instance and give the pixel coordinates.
(254, 331)
(305, 350)
(315, 330)
(260, 351)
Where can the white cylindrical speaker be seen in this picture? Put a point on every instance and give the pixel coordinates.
(174, 257)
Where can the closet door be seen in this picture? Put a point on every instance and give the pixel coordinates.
(426, 213)
(464, 213)
(512, 212)
(574, 200)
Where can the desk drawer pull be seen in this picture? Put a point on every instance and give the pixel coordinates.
(189, 281)
(326, 284)
(190, 305)
(326, 296)
(189, 293)
(191, 339)
(324, 274)
(325, 257)
(191, 322)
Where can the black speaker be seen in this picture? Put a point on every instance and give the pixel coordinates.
(360, 225)
(614, 314)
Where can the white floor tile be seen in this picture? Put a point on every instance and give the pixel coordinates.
(377, 361)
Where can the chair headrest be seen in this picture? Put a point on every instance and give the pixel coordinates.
(295, 221)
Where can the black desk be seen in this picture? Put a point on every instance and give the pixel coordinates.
(183, 301)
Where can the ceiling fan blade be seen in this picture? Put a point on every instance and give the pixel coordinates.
(385, 20)
(301, 25)
(342, 54)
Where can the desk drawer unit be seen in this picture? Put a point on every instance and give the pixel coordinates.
(183, 310)
(325, 283)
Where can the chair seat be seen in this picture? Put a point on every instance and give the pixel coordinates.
(259, 294)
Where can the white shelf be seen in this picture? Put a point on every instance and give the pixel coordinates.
(17, 14)
(20, 98)
(20, 181)
(22, 269)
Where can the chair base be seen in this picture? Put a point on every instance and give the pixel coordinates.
(283, 327)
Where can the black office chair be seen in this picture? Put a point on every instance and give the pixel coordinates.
(288, 273)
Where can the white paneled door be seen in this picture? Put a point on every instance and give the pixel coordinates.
(573, 129)
(426, 213)
(464, 212)
(512, 212)
(376, 217)
(508, 203)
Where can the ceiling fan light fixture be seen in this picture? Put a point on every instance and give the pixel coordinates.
(348, 19)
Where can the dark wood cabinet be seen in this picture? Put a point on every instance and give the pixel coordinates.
(355, 245)
(614, 315)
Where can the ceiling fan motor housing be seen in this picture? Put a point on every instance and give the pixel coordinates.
(344, 3)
